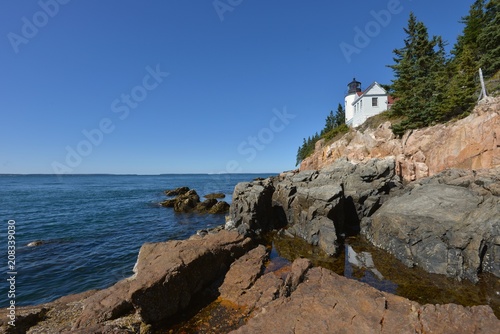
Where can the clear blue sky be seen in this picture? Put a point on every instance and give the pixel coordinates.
(246, 82)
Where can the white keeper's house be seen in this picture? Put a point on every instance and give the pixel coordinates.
(359, 105)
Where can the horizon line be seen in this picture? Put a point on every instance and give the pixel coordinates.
(127, 174)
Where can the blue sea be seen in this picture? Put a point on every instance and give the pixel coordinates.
(92, 227)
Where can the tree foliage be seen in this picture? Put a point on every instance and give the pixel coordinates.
(431, 86)
(418, 70)
(334, 124)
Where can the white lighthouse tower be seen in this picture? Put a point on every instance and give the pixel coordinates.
(354, 87)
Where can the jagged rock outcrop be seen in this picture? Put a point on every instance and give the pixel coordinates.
(447, 224)
(471, 143)
(318, 206)
(188, 200)
(215, 195)
(219, 208)
(251, 208)
(177, 191)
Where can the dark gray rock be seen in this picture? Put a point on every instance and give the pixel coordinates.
(447, 224)
(215, 196)
(186, 202)
(220, 207)
(319, 206)
(206, 205)
(251, 210)
(177, 191)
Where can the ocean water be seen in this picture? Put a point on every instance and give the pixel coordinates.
(92, 227)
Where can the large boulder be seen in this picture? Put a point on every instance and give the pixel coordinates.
(251, 208)
(167, 275)
(447, 224)
(186, 202)
(206, 205)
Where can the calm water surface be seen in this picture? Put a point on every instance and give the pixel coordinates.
(92, 227)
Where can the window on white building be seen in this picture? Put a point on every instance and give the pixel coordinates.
(374, 101)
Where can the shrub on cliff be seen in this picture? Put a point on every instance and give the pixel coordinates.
(334, 125)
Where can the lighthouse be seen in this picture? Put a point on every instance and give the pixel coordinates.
(354, 87)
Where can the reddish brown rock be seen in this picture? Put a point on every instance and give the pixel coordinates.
(328, 303)
(243, 273)
(472, 142)
(166, 276)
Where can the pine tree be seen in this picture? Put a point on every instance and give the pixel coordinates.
(403, 70)
(418, 83)
(481, 35)
(461, 90)
(439, 83)
(330, 123)
(489, 39)
(340, 116)
(474, 23)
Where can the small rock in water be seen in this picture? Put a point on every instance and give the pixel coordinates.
(202, 232)
(35, 243)
(215, 195)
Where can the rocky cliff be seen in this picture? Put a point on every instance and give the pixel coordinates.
(470, 143)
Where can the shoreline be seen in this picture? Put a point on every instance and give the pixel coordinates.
(446, 224)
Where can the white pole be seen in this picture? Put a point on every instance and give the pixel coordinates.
(483, 87)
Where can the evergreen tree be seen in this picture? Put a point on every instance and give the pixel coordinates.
(461, 92)
(330, 123)
(334, 124)
(489, 39)
(403, 69)
(474, 23)
(340, 116)
(481, 36)
(418, 83)
(439, 78)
